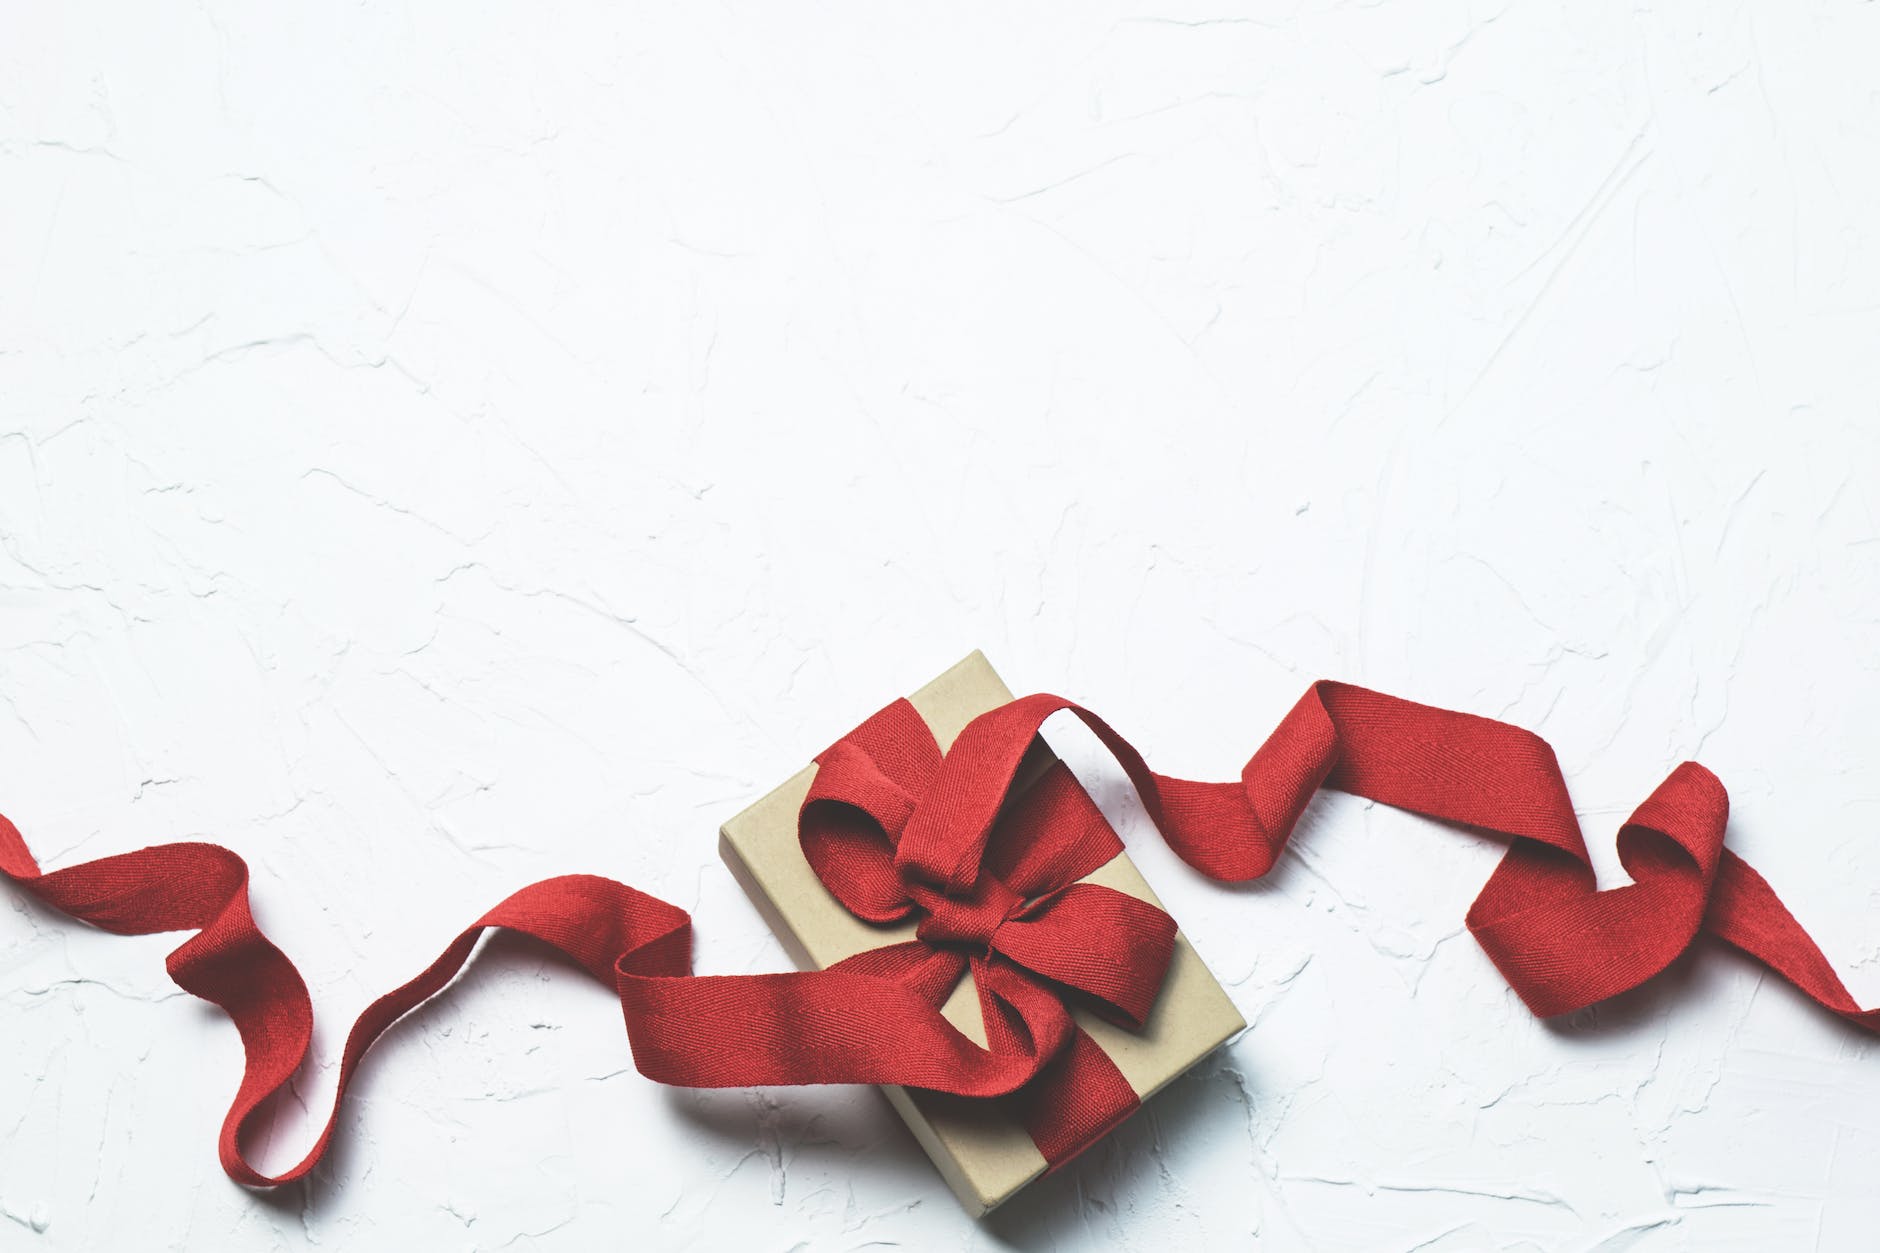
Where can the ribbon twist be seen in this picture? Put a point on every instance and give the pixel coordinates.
(896, 830)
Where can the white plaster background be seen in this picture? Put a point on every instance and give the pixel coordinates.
(447, 445)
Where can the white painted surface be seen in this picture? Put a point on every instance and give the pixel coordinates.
(448, 447)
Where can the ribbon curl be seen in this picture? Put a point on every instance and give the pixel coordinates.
(896, 829)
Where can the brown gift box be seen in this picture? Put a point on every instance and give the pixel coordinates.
(983, 1152)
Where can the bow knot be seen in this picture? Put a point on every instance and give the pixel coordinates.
(973, 921)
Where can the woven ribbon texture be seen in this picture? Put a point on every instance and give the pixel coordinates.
(897, 830)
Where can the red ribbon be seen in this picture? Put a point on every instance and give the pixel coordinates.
(896, 830)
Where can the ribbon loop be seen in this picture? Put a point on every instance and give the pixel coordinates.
(848, 827)
(1113, 946)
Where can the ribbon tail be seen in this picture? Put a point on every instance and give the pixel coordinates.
(230, 963)
(1746, 914)
(1075, 1101)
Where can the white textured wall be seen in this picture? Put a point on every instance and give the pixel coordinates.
(449, 446)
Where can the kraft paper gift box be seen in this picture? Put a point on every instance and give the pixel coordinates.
(979, 1146)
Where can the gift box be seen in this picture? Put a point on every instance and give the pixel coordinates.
(987, 1148)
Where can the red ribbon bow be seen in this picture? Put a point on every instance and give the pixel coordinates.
(1011, 910)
